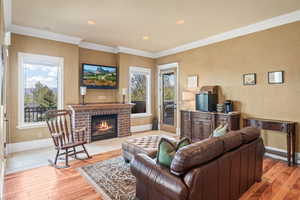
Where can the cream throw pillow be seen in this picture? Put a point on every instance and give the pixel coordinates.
(220, 130)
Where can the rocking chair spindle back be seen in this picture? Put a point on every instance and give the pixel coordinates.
(60, 127)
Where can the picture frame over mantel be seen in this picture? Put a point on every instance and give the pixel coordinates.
(276, 77)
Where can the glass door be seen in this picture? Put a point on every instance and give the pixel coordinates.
(168, 100)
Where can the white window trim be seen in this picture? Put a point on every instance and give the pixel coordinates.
(147, 72)
(39, 58)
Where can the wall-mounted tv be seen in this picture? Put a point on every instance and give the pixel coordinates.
(99, 76)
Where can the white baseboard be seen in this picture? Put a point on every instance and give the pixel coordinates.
(280, 157)
(29, 145)
(140, 128)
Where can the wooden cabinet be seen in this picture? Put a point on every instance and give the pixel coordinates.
(186, 125)
(198, 125)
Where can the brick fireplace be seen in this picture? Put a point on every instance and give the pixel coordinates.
(102, 120)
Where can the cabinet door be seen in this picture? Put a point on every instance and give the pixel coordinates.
(201, 129)
(221, 119)
(185, 130)
(233, 121)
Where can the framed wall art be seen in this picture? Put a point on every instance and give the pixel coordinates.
(192, 81)
(276, 77)
(249, 79)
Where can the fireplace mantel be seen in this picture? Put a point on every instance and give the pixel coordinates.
(82, 116)
(96, 106)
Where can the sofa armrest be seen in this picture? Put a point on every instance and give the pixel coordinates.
(156, 177)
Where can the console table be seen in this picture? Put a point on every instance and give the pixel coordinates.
(287, 127)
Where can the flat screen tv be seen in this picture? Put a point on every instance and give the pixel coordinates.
(99, 76)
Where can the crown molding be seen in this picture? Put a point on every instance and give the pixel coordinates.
(252, 28)
(109, 49)
(43, 34)
(98, 47)
(260, 26)
(7, 13)
(33, 32)
(135, 52)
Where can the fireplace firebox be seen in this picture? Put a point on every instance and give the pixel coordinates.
(104, 127)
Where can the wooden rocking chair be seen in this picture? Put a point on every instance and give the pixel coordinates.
(64, 137)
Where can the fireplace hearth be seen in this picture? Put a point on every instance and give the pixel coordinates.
(104, 127)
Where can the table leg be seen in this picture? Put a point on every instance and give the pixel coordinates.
(289, 148)
(294, 147)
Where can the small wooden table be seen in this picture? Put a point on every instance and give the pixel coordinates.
(287, 127)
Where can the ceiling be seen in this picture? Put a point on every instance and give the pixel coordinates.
(126, 22)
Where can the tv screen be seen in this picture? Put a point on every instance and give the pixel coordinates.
(99, 76)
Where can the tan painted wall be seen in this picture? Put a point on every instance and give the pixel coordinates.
(125, 61)
(73, 58)
(224, 64)
(71, 84)
(101, 58)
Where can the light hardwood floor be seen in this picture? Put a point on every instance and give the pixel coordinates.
(279, 182)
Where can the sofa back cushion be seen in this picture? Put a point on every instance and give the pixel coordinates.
(231, 140)
(196, 154)
(249, 134)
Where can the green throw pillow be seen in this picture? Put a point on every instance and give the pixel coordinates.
(220, 130)
(183, 142)
(167, 149)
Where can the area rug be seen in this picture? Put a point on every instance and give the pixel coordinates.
(112, 179)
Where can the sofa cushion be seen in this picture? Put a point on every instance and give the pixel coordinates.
(220, 130)
(167, 149)
(183, 142)
(249, 134)
(196, 154)
(231, 140)
(166, 152)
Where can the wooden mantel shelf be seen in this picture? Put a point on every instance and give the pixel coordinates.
(97, 106)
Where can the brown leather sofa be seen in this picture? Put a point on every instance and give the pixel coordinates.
(221, 168)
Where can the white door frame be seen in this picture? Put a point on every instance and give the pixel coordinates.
(164, 67)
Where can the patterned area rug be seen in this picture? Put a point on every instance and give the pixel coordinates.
(112, 179)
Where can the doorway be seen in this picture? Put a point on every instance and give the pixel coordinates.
(168, 97)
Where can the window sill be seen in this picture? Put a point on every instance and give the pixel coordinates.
(140, 115)
(32, 125)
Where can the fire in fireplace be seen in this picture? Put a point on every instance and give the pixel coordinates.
(104, 127)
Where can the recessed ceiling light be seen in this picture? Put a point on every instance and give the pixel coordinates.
(180, 21)
(146, 38)
(91, 22)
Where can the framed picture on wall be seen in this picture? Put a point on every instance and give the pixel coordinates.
(249, 79)
(192, 81)
(275, 77)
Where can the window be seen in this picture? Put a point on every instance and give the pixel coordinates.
(40, 88)
(140, 91)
